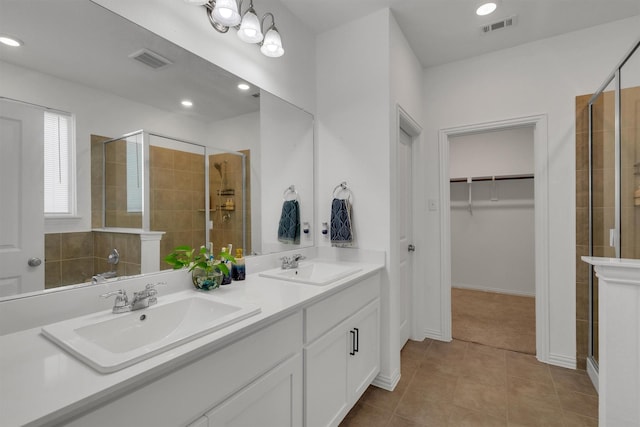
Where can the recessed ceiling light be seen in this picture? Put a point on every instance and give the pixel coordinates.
(244, 86)
(486, 8)
(10, 41)
(187, 103)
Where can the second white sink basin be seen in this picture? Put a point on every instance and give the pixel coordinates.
(109, 342)
(313, 272)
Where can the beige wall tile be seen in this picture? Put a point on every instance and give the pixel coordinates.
(76, 270)
(76, 245)
(52, 249)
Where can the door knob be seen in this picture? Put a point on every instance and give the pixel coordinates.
(34, 262)
(411, 248)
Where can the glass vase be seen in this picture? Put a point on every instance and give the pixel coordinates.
(206, 280)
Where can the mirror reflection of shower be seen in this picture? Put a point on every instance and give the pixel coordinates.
(224, 206)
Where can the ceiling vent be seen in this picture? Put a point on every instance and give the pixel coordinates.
(150, 59)
(499, 25)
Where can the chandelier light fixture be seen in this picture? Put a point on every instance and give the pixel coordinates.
(224, 14)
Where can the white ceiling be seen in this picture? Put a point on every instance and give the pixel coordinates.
(441, 31)
(79, 41)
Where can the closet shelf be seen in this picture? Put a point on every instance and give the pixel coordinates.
(492, 204)
(492, 178)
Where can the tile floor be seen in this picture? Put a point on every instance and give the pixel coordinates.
(466, 384)
(497, 320)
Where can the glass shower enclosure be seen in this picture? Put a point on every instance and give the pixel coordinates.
(614, 176)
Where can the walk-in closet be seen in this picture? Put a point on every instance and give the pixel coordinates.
(492, 238)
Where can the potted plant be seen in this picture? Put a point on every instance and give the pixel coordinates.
(206, 272)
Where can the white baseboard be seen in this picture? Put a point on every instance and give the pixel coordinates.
(561, 360)
(387, 383)
(494, 290)
(434, 335)
(592, 371)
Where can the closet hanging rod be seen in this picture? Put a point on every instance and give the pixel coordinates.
(492, 178)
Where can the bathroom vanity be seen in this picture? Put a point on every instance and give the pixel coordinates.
(304, 359)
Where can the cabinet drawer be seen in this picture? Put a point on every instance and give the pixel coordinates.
(329, 312)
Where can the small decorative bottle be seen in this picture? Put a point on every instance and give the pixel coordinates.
(238, 271)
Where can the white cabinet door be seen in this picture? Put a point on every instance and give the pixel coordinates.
(326, 393)
(364, 359)
(273, 400)
(339, 367)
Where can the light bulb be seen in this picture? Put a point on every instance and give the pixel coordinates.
(272, 46)
(249, 31)
(226, 13)
(10, 41)
(486, 8)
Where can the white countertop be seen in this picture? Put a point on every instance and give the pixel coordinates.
(40, 382)
(612, 262)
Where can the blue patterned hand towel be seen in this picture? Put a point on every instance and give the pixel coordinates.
(289, 227)
(341, 225)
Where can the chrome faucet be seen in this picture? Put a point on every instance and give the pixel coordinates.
(291, 262)
(141, 299)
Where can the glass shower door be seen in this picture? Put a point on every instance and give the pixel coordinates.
(614, 196)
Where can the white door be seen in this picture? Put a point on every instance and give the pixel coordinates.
(404, 192)
(21, 192)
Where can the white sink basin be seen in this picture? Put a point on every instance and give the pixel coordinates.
(109, 342)
(313, 272)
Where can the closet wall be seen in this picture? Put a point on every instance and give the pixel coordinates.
(492, 241)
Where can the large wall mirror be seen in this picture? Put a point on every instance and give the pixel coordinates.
(107, 79)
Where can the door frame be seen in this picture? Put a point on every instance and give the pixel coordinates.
(404, 122)
(541, 233)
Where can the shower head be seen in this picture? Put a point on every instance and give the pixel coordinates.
(218, 167)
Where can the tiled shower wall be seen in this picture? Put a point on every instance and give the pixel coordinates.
(227, 223)
(75, 257)
(177, 198)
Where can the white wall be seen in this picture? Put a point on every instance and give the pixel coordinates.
(286, 139)
(95, 112)
(492, 248)
(543, 77)
(353, 138)
(406, 83)
(290, 77)
(364, 70)
(505, 152)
